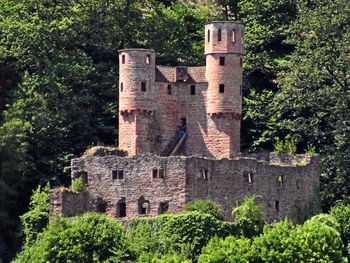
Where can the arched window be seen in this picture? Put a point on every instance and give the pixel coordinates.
(208, 35)
(219, 34)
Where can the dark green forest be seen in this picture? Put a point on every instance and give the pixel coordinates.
(59, 96)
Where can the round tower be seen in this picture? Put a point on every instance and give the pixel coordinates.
(136, 79)
(136, 99)
(224, 51)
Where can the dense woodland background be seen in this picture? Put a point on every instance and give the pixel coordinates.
(59, 75)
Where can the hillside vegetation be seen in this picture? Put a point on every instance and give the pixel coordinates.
(59, 75)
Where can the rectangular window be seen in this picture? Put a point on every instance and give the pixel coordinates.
(117, 174)
(219, 34)
(121, 87)
(143, 86)
(161, 173)
(123, 59)
(222, 61)
(208, 35)
(169, 89)
(205, 174)
(155, 173)
(148, 59)
(280, 180)
(221, 88)
(193, 90)
(277, 206)
(233, 36)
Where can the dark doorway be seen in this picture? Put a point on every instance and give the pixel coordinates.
(183, 122)
(121, 208)
(101, 206)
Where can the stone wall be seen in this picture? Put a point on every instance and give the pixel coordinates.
(68, 203)
(150, 185)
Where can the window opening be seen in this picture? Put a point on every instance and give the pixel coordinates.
(193, 90)
(169, 89)
(277, 206)
(280, 180)
(222, 61)
(161, 173)
(163, 207)
(84, 177)
(121, 208)
(148, 59)
(117, 174)
(155, 173)
(121, 87)
(123, 59)
(221, 88)
(233, 36)
(208, 35)
(248, 177)
(143, 86)
(219, 34)
(143, 206)
(101, 206)
(205, 174)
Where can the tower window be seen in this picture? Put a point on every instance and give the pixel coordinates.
(117, 174)
(233, 36)
(158, 173)
(193, 90)
(148, 59)
(169, 89)
(219, 34)
(280, 180)
(121, 87)
(222, 88)
(222, 61)
(143, 86)
(123, 59)
(248, 177)
(205, 174)
(208, 35)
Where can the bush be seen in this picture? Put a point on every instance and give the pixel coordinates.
(341, 213)
(35, 220)
(205, 206)
(228, 250)
(78, 185)
(247, 218)
(288, 145)
(184, 234)
(158, 258)
(91, 237)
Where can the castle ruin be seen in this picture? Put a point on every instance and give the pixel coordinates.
(180, 127)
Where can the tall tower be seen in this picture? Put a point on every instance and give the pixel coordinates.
(136, 98)
(223, 52)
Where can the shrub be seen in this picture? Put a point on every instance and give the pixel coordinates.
(159, 258)
(78, 185)
(205, 206)
(184, 234)
(248, 219)
(35, 220)
(341, 213)
(91, 237)
(228, 250)
(288, 145)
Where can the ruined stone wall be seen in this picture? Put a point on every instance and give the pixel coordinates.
(68, 203)
(283, 190)
(138, 185)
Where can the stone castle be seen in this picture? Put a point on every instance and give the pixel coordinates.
(179, 128)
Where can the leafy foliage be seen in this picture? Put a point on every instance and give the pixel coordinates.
(205, 206)
(184, 234)
(36, 219)
(88, 238)
(78, 185)
(248, 218)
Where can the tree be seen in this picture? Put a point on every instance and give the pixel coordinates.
(36, 219)
(91, 237)
(314, 101)
(248, 218)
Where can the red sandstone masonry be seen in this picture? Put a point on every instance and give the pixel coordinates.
(149, 119)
